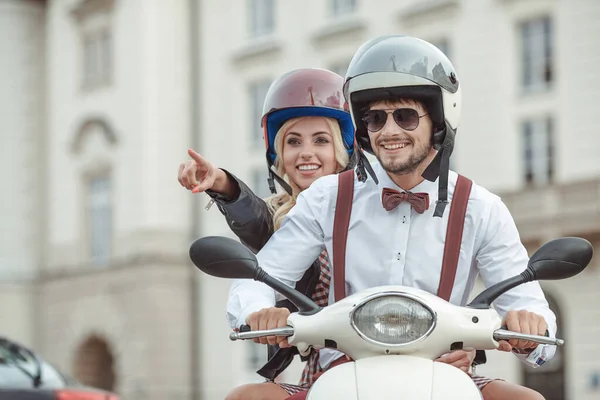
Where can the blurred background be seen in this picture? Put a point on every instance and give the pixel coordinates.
(100, 100)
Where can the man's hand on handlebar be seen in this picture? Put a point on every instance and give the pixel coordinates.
(269, 318)
(523, 321)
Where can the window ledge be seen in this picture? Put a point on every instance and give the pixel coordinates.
(85, 8)
(93, 85)
(537, 90)
(258, 48)
(339, 28)
(427, 7)
(86, 267)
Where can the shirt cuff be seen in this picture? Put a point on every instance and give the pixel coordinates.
(538, 356)
(246, 311)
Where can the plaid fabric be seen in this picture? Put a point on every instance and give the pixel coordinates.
(321, 294)
(292, 389)
(481, 381)
(321, 297)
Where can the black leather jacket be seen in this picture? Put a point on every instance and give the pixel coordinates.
(248, 216)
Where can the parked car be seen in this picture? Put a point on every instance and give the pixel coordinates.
(24, 375)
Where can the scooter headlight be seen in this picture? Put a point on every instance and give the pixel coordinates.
(392, 319)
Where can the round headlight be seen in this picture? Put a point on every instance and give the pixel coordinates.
(392, 319)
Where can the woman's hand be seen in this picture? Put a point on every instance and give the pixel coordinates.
(197, 174)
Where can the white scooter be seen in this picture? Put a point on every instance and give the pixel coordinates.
(393, 333)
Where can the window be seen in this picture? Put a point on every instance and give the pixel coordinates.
(97, 58)
(538, 151)
(94, 363)
(100, 220)
(94, 20)
(257, 93)
(262, 17)
(341, 7)
(260, 185)
(537, 52)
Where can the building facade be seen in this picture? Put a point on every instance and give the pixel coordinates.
(103, 98)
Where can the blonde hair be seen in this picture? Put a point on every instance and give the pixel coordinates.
(281, 203)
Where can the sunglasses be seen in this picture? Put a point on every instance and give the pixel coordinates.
(406, 118)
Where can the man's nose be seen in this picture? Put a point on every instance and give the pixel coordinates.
(391, 127)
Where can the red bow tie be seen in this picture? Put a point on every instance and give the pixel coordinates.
(391, 198)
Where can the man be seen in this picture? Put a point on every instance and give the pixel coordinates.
(404, 97)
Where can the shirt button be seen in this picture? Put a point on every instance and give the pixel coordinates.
(404, 219)
(398, 256)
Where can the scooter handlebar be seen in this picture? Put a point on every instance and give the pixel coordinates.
(243, 335)
(499, 334)
(503, 334)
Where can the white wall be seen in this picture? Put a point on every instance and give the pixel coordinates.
(21, 162)
(146, 105)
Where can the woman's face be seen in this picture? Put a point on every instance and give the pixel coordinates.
(308, 151)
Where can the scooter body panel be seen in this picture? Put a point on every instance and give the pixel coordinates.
(395, 377)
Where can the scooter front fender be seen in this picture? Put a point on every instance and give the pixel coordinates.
(394, 377)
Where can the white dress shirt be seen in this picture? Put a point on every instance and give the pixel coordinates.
(398, 247)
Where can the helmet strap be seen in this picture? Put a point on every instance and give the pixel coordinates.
(440, 167)
(364, 164)
(274, 177)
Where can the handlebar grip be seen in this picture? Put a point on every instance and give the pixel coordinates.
(502, 334)
(547, 334)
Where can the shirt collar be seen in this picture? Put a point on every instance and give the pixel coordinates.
(386, 182)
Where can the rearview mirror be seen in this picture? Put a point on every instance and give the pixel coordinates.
(224, 258)
(560, 258)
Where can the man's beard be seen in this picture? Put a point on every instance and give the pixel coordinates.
(415, 159)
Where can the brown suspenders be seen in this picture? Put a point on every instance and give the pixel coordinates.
(343, 209)
(454, 232)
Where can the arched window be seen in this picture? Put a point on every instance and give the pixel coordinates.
(90, 127)
(93, 147)
(94, 364)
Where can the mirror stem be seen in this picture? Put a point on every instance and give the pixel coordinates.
(484, 299)
(305, 305)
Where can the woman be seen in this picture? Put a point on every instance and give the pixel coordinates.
(308, 134)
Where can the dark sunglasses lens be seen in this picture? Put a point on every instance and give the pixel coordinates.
(375, 120)
(407, 118)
